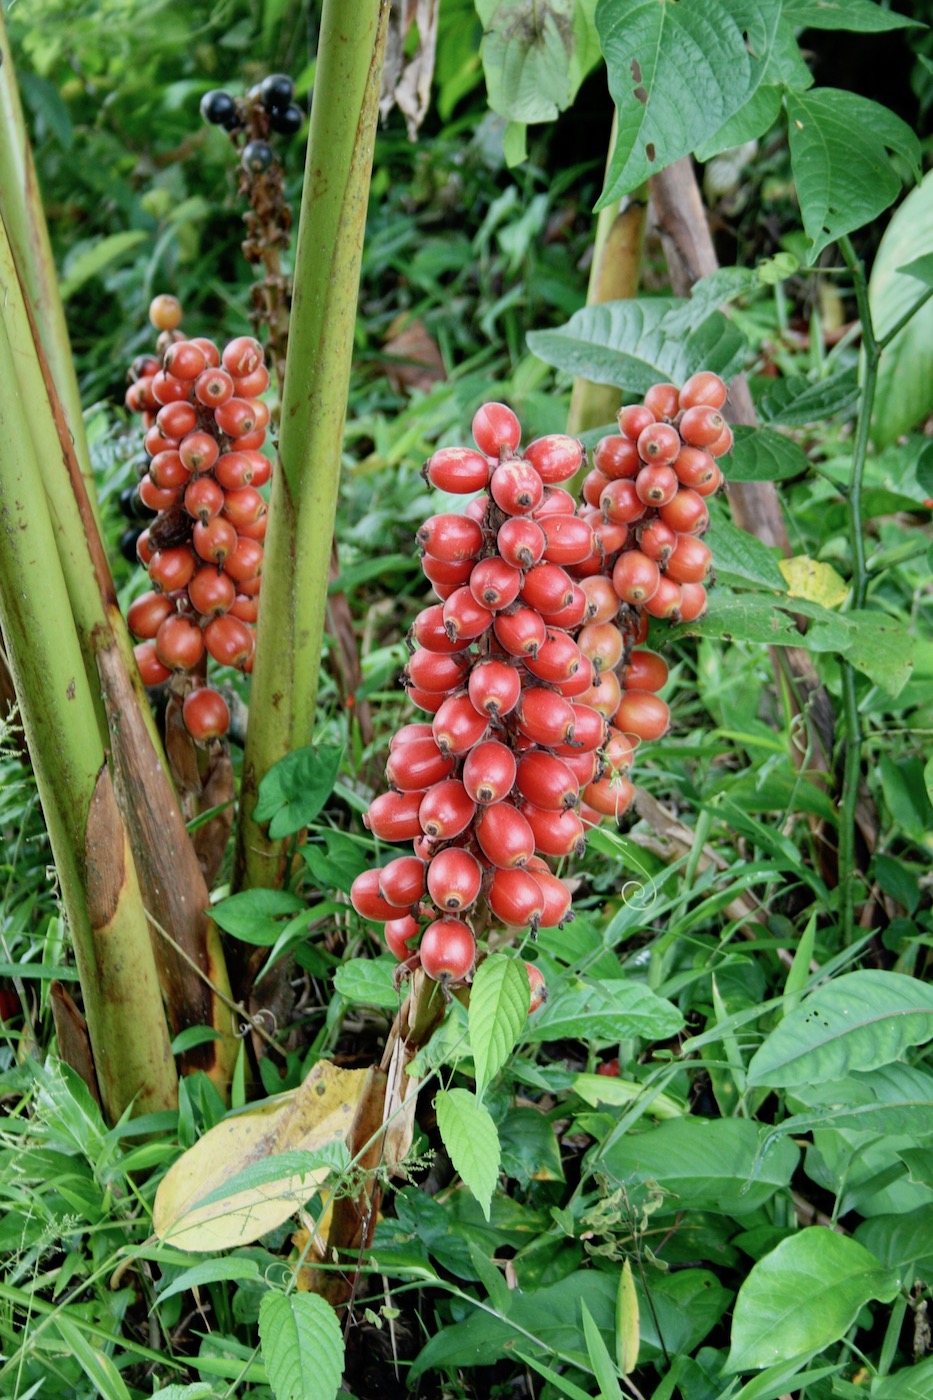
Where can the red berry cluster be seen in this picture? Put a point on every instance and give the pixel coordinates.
(532, 667)
(205, 424)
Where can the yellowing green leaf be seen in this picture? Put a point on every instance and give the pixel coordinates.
(818, 583)
(255, 1169)
(628, 1327)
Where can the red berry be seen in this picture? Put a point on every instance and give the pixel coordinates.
(495, 427)
(458, 725)
(657, 540)
(184, 360)
(620, 503)
(603, 643)
(686, 514)
(545, 780)
(494, 687)
(503, 835)
(692, 601)
(555, 457)
(547, 588)
(155, 497)
(240, 417)
(229, 641)
(454, 879)
(398, 935)
(204, 498)
(694, 467)
(604, 695)
(367, 900)
(723, 443)
(537, 988)
(569, 539)
(401, 882)
(489, 772)
(610, 797)
(428, 631)
(656, 485)
(394, 816)
(446, 573)
(146, 614)
(643, 714)
(165, 312)
(566, 619)
(520, 633)
(179, 643)
(634, 420)
(451, 537)
(516, 487)
(446, 810)
(703, 388)
(602, 599)
(171, 569)
(663, 400)
(428, 670)
(495, 584)
(211, 592)
(244, 507)
(448, 951)
(545, 717)
(234, 470)
(521, 542)
(242, 355)
(459, 470)
(635, 577)
(701, 426)
(690, 561)
(165, 388)
(199, 452)
(214, 540)
(176, 420)
(464, 617)
(557, 660)
(616, 457)
(206, 714)
(594, 483)
(417, 765)
(213, 387)
(659, 443)
(645, 670)
(556, 833)
(665, 601)
(554, 892)
(150, 667)
(515, 897)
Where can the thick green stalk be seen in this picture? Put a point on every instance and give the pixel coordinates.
(98, 881)
(22, 212)
(304, 493)
(158, 838)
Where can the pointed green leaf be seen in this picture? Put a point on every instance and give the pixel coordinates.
(628, 1330)
(210, 1271)
(96, 1365)
(761, 455)
(863, 16)
(797, 402)
(600, 1360)
(368, 982)
(604, 1011)
(255, 916)
(302, 1346)
(676, 74)
(87, 263)
(469, 1135)
(498, 1008)
(294, 791)
(804, 1296)
(839, 144)
(632, 345)
(740, 554)
(859, 1021)
(904, 394)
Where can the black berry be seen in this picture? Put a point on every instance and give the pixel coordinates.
(276, 92)
(218, 108)
(128, 543)
(257, 156)
(289, 121)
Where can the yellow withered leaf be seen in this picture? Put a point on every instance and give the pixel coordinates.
(817, 583)
(194, 1210)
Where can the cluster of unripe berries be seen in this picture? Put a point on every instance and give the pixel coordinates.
(268, 107)
(531, 665)
(205, 423)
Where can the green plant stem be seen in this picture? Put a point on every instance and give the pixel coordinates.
(852, 764)
(100, 891)
(22, 212)
(304, 492)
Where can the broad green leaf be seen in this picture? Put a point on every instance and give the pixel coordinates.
(96, 1365)
(86, 264)
(604, 1011)
(294, 791)
(710, 294)
(631, 345)
(752, 120)
(192, 1036)
(530, 1148)
(858, 1021)
(302, 1346)
(758, 454)
(818, 582)
(368, 982)
(498, 1009)
(200, 1390)
(797, 402)
(535, 55)
(469, 1135)
(839, 144)
(255, 916)
(900, 1241)
(894, 1099)
(882, 648)
(910, 1383)
(740, 554)
(703, 1164)
(921, 268)
(600, 1360)
(676, 74)
(746, 617)
(804, 1296)
(925, 469)
(904, 393)
(862, 15)
(211, 1271)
